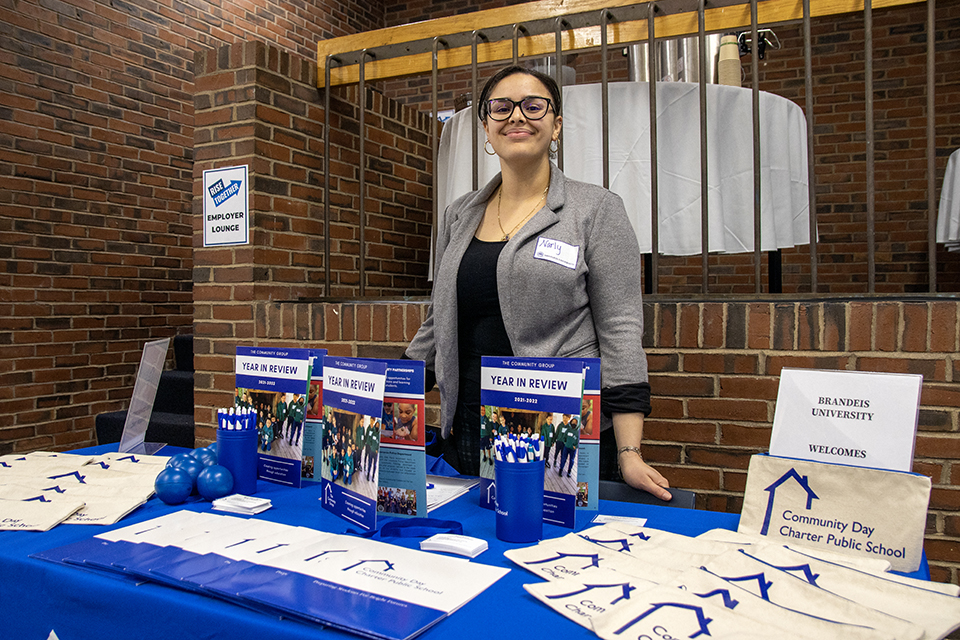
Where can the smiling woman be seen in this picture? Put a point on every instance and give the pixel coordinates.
(537, 265)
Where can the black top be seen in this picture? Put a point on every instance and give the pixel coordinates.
(481, 332)
(479, 320)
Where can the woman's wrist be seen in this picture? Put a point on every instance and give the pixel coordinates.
(627, 452)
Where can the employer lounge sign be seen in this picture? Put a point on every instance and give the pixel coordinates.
(847, 417)
(226, 215)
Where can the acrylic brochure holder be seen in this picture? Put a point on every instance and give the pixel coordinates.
(141, 404)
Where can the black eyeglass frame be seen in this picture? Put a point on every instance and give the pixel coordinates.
(519, 103)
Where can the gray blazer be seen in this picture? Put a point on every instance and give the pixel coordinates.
(588, 306)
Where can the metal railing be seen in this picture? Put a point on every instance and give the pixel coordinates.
(535, 29)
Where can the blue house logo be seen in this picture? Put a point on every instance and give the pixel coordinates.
(621, 591)
(804, 483)
(696, 613)
(615, 544)
(387, 565)
(763, 585)
(728, 600)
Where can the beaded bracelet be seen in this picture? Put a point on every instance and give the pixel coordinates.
(636, 450)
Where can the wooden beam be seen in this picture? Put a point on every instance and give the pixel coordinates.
(620, 33)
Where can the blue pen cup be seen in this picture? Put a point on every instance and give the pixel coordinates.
(237, 451)
(519, 504)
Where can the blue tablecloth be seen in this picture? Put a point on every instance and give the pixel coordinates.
(37, 596)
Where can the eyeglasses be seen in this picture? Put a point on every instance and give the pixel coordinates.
(532, 107)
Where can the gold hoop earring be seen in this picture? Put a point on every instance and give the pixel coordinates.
(554, 146)
(491, 152)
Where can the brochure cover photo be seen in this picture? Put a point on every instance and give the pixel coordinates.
(352, 408)
(533, 406)
(402, 456)
(273, 382)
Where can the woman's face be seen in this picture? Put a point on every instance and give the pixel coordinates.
(517, 137)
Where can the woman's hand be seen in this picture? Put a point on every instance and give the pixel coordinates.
(628, 429)
(639, 475)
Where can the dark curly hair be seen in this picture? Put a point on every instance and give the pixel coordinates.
(547, 81)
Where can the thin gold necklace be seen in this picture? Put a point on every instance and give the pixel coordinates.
(536, 207)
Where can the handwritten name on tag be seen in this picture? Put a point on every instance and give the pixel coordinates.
(556, 251)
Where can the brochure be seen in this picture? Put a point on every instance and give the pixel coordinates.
(402, 472)
(312, 449)
(273, 382)
(535, 400)
(353, 391)
(588, 458)
(359, 585)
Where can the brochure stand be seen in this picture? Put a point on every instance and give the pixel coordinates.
(141, 404)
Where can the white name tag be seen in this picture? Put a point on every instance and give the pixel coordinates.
(555, 251)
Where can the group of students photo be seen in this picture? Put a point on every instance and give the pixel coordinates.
(559, 434)
(351, 444)
(279, 416)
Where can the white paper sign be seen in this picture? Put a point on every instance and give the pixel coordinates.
(226, 214)
(847, 417)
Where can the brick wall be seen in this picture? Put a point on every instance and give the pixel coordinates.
(714, 372)
(96, 180)
(259, 106)
(899, 114)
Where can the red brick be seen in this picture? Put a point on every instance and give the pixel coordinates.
(734, 481)
(725, 409)
(689, 326)
(691, 477)
(861, 326)
(682, 385)
(887, 328)
(668, 431)
(943, 326)
(759, 326)
(937, 447)
(941, 549)
(915, 330)
(737, 435)
(724, 459)
(808, 327)
(657, 454)
(940, 395)
(763, 388)
(666, 408)
(713, 325)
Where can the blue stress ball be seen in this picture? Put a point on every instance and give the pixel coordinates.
(180, 458)
(173, 485)
(215, 482)
(205, 456)
(192, 466)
